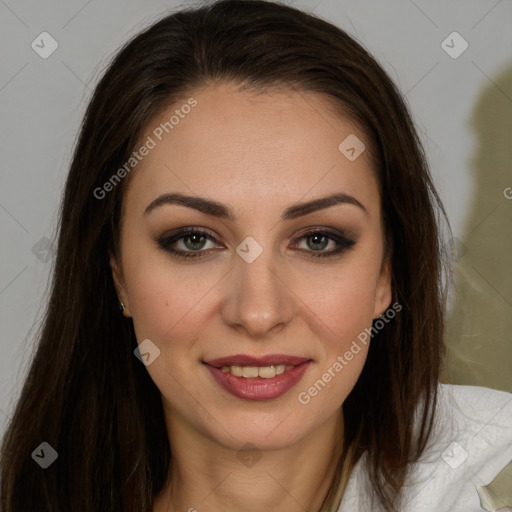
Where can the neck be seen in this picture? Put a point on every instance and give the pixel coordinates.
(208, 477)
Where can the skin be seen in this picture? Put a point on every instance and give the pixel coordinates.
(259, 154)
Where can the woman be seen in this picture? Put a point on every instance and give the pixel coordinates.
(248, 188)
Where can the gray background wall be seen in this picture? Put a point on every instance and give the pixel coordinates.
(462, 104)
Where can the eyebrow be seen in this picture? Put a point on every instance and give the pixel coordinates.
(222, 211)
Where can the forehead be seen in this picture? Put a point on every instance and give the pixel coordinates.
(270, 149)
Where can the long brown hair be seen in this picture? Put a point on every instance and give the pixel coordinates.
(88, 396)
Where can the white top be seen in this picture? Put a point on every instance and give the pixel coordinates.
(471, 444)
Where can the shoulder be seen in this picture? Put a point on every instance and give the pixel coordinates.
(471, 444)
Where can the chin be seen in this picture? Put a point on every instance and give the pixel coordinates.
(274, 430)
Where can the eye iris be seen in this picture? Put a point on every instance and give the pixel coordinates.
(320, 241)
(197, 239)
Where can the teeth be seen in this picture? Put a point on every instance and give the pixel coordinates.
(266, 372)
(235, 370)
(280, 368)
(251, 372)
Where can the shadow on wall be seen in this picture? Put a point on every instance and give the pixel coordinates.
(479, 325)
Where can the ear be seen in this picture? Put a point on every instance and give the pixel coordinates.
(118, 277)
(383, 292)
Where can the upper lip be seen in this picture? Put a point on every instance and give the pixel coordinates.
(246, 360)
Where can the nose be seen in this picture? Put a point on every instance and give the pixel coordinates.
(258, 299)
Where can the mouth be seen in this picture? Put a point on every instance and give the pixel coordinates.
(257, 378)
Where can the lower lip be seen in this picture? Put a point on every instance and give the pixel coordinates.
(259, 388)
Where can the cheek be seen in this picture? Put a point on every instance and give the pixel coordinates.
(171, 306)
(183, 303)
(342, 300)
(171, 309)
(340, 311)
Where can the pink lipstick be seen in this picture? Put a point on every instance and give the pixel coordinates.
(258, 377)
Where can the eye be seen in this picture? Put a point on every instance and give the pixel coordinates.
(317, 240)
(193, 243)
(187, 243)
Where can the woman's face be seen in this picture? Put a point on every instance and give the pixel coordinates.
(260, 292)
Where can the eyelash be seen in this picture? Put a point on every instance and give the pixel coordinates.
(165, 243)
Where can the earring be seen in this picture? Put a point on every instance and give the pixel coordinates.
(121, 306)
